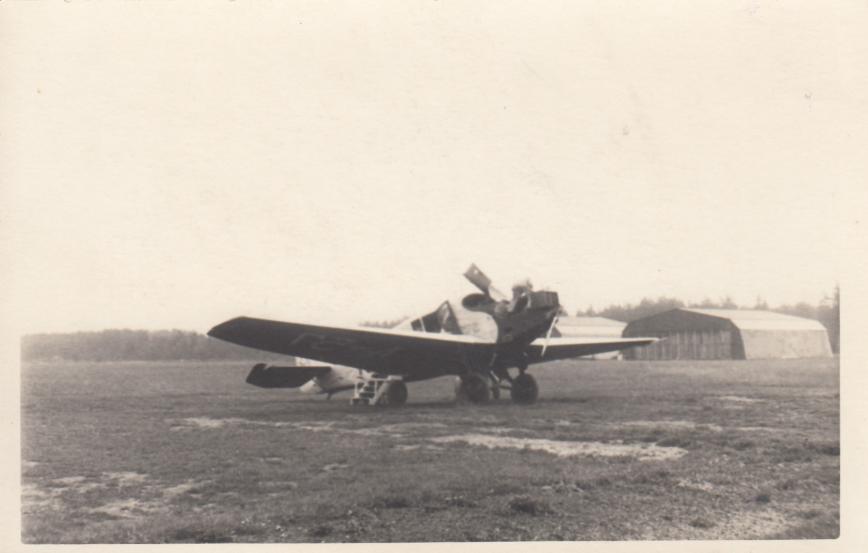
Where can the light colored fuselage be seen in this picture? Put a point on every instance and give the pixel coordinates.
(471, 315)
(341, 377)
(337, 379)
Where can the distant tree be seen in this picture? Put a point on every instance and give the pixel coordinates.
(829, 313)
(134, 345)
(723, 303)
(629, 312)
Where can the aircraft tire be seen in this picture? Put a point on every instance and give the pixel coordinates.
(524, 389)
(460, 396)
(396, 395)
(474, 388)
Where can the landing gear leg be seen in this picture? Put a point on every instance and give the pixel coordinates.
(495, 386)
(473, 387)
(502, 374)
(524, 389)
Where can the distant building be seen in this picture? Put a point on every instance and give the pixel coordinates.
(591, 327)
(728, 334)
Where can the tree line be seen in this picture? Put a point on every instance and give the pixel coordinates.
(134, 345)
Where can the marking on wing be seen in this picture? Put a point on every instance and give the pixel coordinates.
(324, 343)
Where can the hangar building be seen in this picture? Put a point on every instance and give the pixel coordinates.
(591, 327)
(728, 334)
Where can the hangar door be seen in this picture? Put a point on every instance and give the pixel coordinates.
(690, 344)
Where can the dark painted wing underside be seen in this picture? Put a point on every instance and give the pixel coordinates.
(385, 351)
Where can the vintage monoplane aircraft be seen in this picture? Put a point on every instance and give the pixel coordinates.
(479, 339)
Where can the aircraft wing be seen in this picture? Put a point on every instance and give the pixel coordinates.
(565, 348)
(413, 354)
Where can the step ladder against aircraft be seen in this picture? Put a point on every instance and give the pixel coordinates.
(376, 391)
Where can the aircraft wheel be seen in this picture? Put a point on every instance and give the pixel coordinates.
(474, 388)
(524, 389)
(397, 394)
(460, 396)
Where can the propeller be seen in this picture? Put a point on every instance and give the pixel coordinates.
(478, 278)
(549, 335)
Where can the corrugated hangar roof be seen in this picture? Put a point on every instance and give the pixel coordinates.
(752, 319)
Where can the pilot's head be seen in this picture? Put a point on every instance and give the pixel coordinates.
(521, 287)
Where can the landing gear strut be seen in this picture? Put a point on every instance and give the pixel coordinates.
(524, 389)
(495, 388)
(473, 387)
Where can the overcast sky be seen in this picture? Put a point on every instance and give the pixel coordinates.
(170, 166)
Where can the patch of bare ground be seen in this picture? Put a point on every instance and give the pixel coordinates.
(641, 451)
(673, 425)
(126, 508)
(754, 524)
(738, 399)
(36, 499)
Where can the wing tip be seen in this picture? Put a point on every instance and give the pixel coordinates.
(224, 329)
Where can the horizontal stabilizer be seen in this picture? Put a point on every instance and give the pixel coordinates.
(283, 377)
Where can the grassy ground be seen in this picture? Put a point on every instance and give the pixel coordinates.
(186, 452)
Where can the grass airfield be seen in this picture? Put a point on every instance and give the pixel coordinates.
(187, 452)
